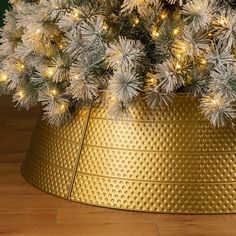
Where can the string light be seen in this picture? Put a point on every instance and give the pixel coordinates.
(75, 13)
(105, 27)
(63, 107)
(54, 92)
(20, 66)
(112, 99)
(136, 21)
(222, 21)
(176, 31)
(163, 15)
(216, 101)
(21, 94)
(49, 53)
(50, 72)
(155, 33)
(151, 79)
(3, 77)
(119, 53)
(178, 66)
(61, 46)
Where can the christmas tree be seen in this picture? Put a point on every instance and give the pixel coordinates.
(68, 54)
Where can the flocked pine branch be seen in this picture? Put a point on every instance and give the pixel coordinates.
(67, 53)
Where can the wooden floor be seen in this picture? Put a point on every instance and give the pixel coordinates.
(26, 211)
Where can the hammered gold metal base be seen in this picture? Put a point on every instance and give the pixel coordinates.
(168, 161)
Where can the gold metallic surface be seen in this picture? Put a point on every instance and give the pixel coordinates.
(169, 160)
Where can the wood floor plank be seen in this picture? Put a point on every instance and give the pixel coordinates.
(197, 232)
(98, 215)
(88, 229)
(28, 216)
(176, 225)
(15, 131)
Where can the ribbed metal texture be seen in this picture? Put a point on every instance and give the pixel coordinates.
(169, 160)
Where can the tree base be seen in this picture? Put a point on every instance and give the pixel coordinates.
(166, 161)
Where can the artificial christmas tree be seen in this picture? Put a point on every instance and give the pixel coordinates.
(109, 75)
